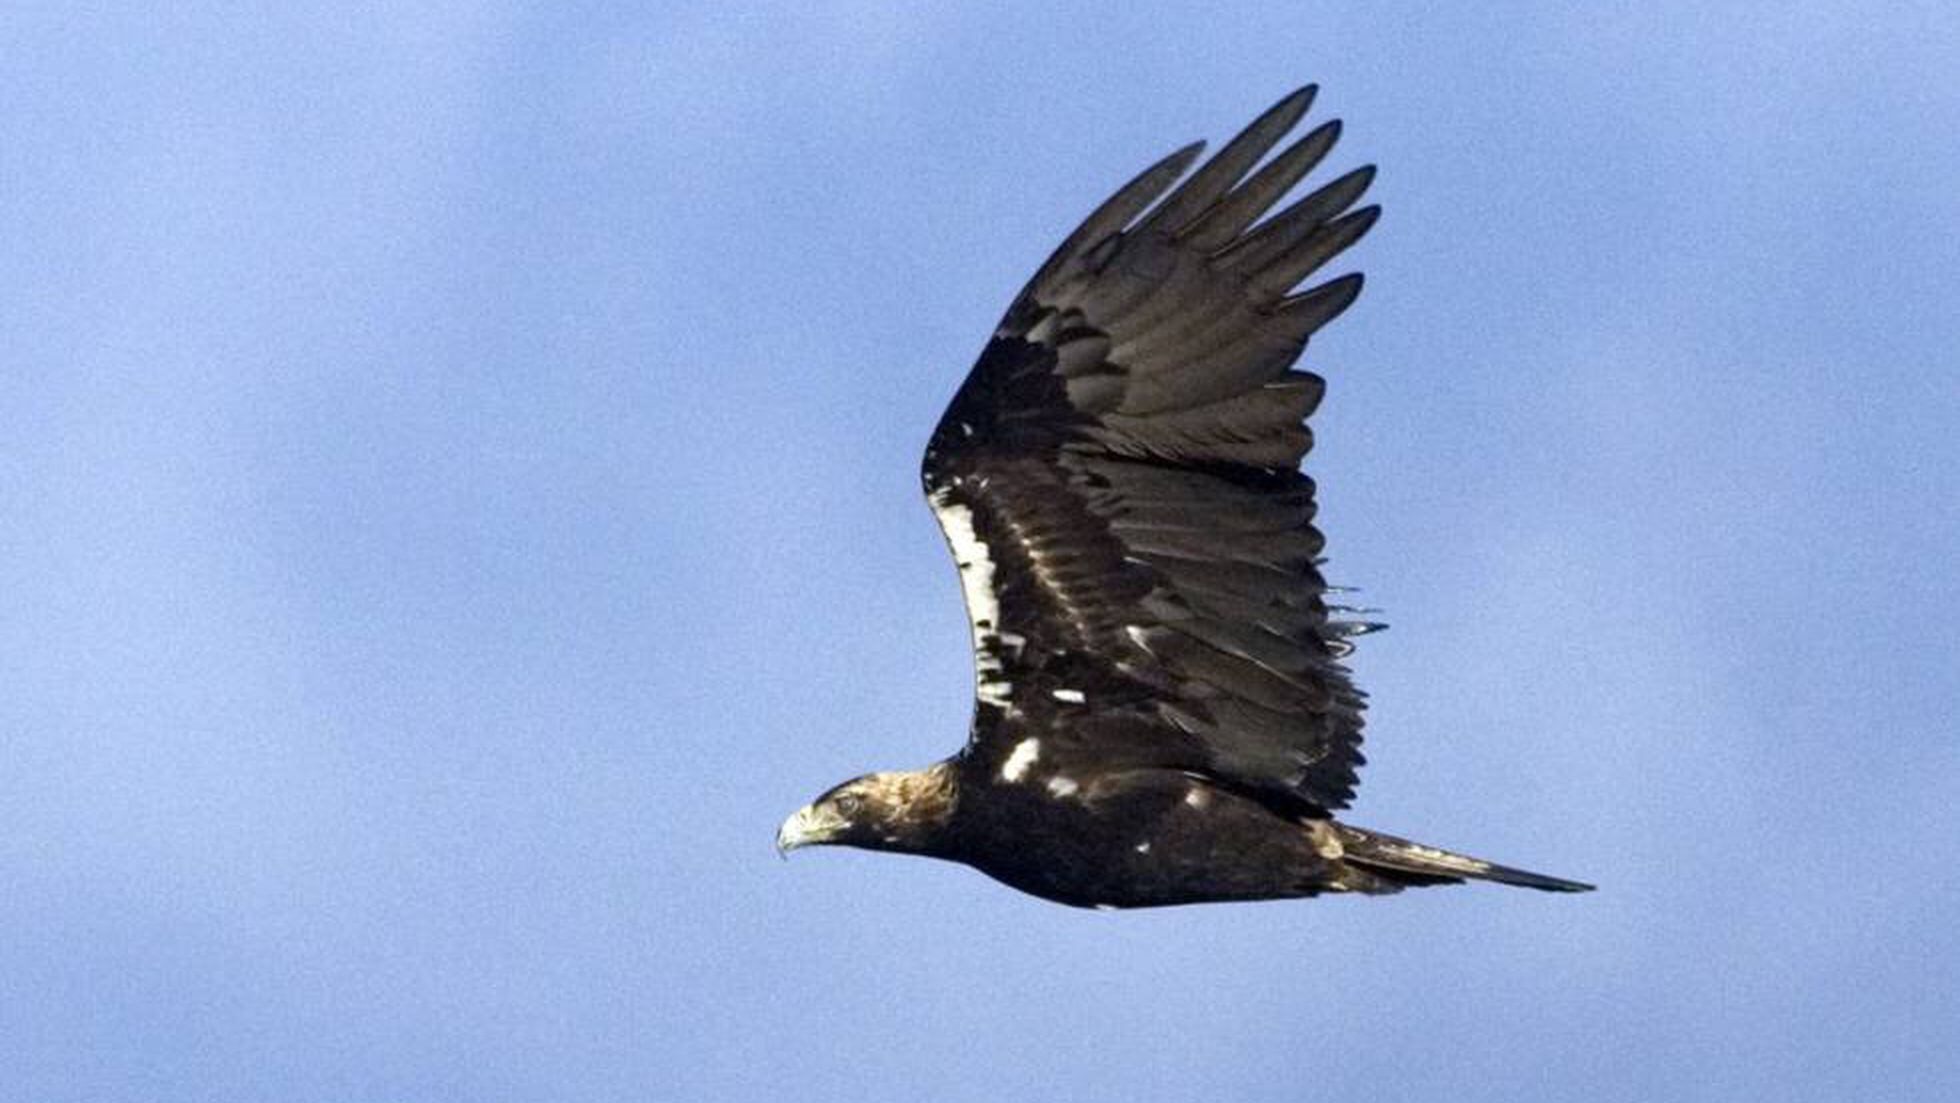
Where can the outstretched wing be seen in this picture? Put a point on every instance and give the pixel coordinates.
(1118, 479)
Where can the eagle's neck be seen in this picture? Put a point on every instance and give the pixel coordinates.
(915, 808)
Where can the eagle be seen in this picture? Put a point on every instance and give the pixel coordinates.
(1161, 711)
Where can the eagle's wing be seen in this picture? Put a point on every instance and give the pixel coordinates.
(1118, 479)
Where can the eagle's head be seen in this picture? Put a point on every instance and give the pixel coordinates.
(894, 810)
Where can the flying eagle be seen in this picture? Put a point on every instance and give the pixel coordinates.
(1161, 714)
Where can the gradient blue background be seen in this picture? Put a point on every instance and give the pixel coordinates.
(457, 493)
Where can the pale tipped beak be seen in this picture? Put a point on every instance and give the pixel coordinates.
(805, 827)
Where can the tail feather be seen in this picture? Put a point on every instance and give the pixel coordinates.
(1400, 859)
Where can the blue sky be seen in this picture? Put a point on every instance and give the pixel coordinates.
(460, 493)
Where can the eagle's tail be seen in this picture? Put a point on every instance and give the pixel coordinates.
(1400, 860)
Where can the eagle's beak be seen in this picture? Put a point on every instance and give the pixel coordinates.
(805, 827)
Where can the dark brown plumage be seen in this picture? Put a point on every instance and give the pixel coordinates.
(1162, 714)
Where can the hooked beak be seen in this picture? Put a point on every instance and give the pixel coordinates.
(807, 827)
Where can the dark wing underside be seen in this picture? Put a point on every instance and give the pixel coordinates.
(1119, 480)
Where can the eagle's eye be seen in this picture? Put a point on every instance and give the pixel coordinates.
(848, 804)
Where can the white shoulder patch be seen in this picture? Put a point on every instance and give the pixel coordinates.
(1019, 759)
(1067, 696)
(1062, 786)
(976, 564)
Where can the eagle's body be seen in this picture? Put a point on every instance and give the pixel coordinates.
(1142, 838)
(1161, 716)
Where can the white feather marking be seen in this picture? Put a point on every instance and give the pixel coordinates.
(1071, 696)
(976, 565)
(1019, 759)
(1441, 857)
(1143, 847)
(1197, 796)
(1062, 786)
(1325, 842)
